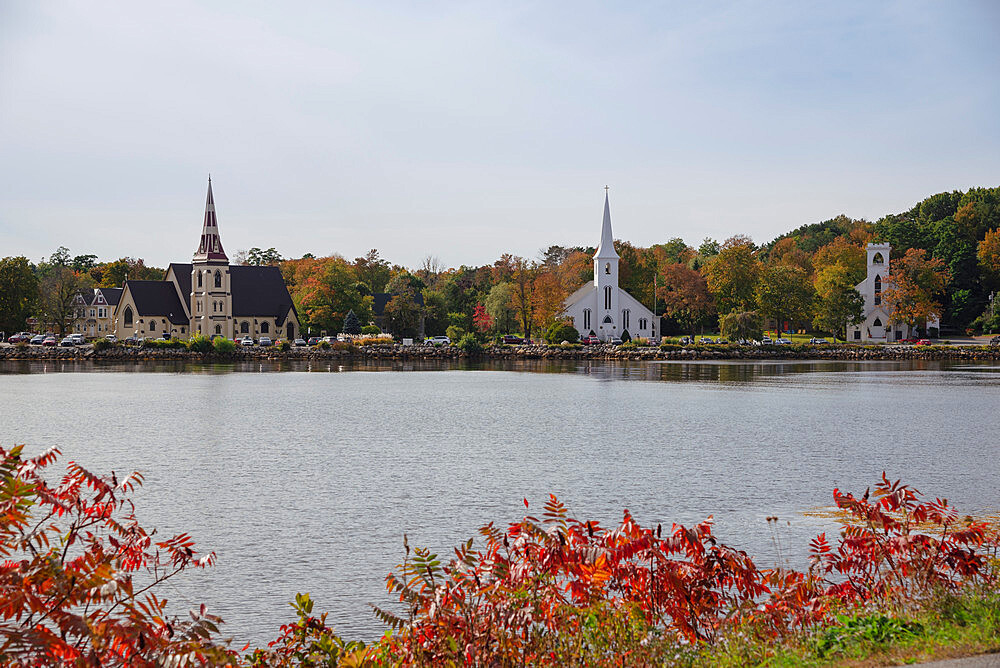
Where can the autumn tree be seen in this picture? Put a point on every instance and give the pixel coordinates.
(523, 283)
(373, 271)
(838, 304)
(685, 296)
(848, 255)
(732, 275)
(549, 296)
(914, 283)
(18, 292)
(988, 253)
(784, 293)
(324, 290)
(481, 320)
(58, 287)
(402, 314)
(500, 306)
(114, 274)
(745, 326)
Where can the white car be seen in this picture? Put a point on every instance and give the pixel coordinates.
(438, 341)
(246, 341)
(784, 342)
(111, 338)
(78, 339)
(264, 341)
(766, 341)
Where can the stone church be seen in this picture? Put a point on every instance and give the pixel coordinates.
(601, 308)
(208, 296)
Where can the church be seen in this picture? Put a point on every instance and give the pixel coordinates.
(877, 325)
(601, 308)
(208, 296)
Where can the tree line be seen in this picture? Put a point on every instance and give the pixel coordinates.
(945, 262)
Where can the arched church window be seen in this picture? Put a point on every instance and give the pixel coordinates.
(265, 327)
(152, 325)
(878, 290)
(625, 318)
(608, 320)
(244, 327)
(878, 259)
(199, 279)
(128, 316)
(877, 323)
(218, 278)
(218, 329)
(607, 268)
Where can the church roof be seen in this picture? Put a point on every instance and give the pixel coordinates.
(607, 246)
(182, 272)
(259, 291)
(157, 298)
(210, 245)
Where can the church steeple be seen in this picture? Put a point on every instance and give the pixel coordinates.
(607, 247)
(210, 246)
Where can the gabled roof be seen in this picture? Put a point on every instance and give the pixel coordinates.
(581, 291)
(381, 299)
(157, 298)
(259, 291)
(111, 295)
(183, 273)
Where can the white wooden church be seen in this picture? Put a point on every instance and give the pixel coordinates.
(601, 308)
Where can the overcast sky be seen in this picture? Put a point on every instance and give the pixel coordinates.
(467, 130)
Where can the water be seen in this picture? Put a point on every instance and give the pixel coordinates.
(305, 477)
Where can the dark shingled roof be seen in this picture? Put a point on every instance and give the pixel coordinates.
(112, 295)
(383, 298)
(259, 291)
(183, 274)
(157, 298)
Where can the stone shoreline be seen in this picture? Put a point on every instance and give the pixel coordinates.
(598, 352)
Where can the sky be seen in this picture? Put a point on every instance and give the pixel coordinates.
(461, 131)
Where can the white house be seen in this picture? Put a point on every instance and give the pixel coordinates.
(878, 325)
(601, 308)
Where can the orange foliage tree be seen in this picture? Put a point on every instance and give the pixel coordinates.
(914, 283)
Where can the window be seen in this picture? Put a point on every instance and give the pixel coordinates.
(127, 319)
(244, 327)
(857, 335)
(152, 325)
(265, 327)
(218, 278)
(214, 307)
(218, 329)
(199, 279)
(586, 318)
(182, 330)
(607, 297)
(607, 268)
(877, 323)
(608, 320)
(878, 259)
(642, 323)
(93, 312)
(878, 290)
(625, 322)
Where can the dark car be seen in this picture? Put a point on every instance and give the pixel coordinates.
(313, 340)
(20, 337)
(510, 339)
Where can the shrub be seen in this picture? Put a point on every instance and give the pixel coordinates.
(561, 331)
(102, 344)
(470, 344)
(284, 346)
(323, 345)
(163, 344)
(455, 333)
(200, 344)
(374, 341)
(223, 346)
(371, 329)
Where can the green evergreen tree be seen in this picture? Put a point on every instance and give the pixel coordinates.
(351, 324)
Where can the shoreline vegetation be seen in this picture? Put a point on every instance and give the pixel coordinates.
(382, 351)
(908, 579)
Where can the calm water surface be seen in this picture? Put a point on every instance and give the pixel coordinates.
(304, 478)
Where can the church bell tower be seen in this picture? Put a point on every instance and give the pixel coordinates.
(211, 291)
(606, 279)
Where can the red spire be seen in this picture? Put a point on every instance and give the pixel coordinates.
(210, 246)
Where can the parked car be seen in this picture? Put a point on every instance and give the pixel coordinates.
(766, 341)
(67, 342)
(246, 341)
(784, 342)
(923, 342)
(37, 339)
(722, 341)
(910, 340)
(814, 341)
(20, 337)
(685, 340)
(111, 337)
(706, 339)
(615, 341)
(300, 343)
(330, 339)
(265, 341)
(511, 339)
(50, 341)
(590, 341)
(438, 341)
(313, 340)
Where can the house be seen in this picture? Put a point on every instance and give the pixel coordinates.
(878, 325)
(95, 310)
(603, 309)
(208, 296)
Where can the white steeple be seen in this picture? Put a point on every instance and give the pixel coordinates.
(607, 247)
